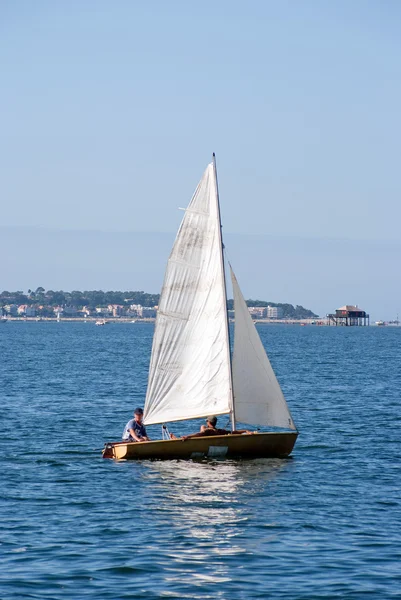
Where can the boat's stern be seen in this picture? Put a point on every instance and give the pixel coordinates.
(108, 451)
(116, 450)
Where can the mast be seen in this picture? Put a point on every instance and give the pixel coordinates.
(227, 325)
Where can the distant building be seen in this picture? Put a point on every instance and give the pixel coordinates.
(136, 310)
(257, 312)
(148, 312)
(102, 311)
(274, 312)
(117, 310)
(24, 310)
(11, 309)
(70, 311)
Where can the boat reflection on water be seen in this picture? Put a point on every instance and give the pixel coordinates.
(209, 507)
(213, 479)
(215, 513)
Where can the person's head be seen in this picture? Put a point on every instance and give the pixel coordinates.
(212, 421)
(138, 414)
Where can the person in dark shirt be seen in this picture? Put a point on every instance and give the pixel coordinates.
(211, 429)
(135, 430)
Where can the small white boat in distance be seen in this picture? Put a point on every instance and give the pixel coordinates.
(101, 322)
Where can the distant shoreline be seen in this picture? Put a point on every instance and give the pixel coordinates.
(109, 320)
(79, 319)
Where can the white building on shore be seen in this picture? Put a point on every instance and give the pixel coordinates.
(274, 312)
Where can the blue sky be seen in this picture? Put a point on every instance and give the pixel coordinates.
(110, 112)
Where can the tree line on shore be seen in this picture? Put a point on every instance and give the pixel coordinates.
(97, 298)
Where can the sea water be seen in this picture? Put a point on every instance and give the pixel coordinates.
(325, 523)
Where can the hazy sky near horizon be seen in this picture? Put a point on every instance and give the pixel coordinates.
(110, 112)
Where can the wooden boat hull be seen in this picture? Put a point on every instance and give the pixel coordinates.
(259, 445)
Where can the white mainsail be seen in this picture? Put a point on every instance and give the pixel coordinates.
(189, 373)
(258, 399)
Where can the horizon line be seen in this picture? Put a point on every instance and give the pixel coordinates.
(173, 233)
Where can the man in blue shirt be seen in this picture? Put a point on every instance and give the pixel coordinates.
(135, 430)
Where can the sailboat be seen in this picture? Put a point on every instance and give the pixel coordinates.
(192, 373)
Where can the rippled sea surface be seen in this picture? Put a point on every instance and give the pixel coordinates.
(324, 524)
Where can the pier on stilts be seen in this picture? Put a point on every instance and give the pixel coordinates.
(348, 316)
